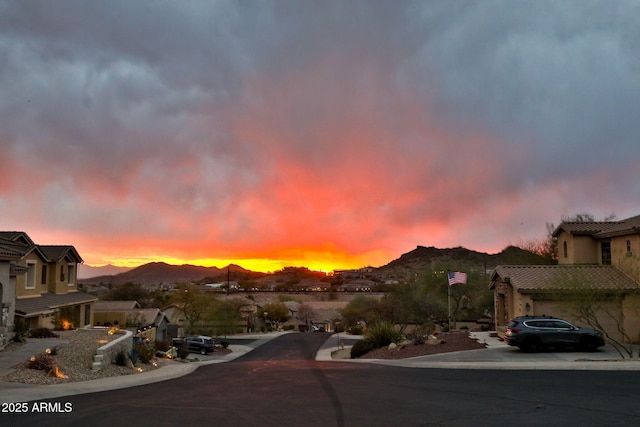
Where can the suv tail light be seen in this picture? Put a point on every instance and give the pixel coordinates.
(512, 331)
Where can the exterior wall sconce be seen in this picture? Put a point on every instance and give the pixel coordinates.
(527, 307)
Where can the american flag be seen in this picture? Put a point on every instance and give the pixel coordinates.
(456, 277)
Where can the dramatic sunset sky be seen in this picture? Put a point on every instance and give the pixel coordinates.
(326, 134)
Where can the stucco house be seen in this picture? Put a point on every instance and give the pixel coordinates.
(149, 323)
(39, 284)
(113, 313)
(598, 268)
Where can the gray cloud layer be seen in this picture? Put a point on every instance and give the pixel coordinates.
(391, 119)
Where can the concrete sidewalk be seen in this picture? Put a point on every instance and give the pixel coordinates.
(33, 346)
(18, 392)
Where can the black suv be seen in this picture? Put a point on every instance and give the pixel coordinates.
(535, 333)
(200, 343)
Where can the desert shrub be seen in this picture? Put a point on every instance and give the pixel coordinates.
(20, 330)
(382, 334)
(133, 356)
(379, 335)
(183, 353)
(224, 343)
(163, 345)
(420, 334)
(356, 330)
(41, 362)
(145, 351)
(43, 333)
(361, 347)
(121, 358)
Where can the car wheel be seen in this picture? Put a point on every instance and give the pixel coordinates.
(588, 344)
(532, 345)
(203, 351)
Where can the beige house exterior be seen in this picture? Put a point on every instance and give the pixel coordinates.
(598, 265)
(39, 284)
(149, 323)
(114, 313)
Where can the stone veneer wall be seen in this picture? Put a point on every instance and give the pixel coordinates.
(105, 354)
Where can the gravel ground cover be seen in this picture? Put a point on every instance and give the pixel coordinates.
(445, 343)
(75, 359)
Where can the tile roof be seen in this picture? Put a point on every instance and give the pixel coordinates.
(10, 249)
(16, 236)
(526, 278)
(148, 316)
(601, 229)
(582, 227)
(55, 253)
(627, 226)
(17, 244)
(48, 302)
(115, 305)
(17, 269)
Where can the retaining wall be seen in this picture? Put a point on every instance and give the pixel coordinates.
(107, 353)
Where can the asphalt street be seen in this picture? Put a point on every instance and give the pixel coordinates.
(281, 384)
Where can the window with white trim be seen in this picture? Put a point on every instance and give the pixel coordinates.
(71, 276)
(30, 282)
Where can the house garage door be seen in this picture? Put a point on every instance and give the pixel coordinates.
(567, 310)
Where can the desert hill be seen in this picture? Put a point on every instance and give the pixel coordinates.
(161, 272)
(406, 266)
(459, 258)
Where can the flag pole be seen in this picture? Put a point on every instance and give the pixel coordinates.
(449, 298)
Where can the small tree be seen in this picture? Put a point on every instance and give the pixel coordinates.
(361, 308)
(306, 314)
(129, 292)
(276, 312)
(194, 306)
(594, 306)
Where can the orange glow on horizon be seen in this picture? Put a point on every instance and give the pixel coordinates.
(327, 263)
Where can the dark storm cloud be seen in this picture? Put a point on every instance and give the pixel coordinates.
(383, 124)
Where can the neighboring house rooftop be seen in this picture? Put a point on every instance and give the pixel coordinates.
(293, 306)
(10, 249)
(48, 302)
(58, 252)
(115, 305)
(535, 278)
(147, 316)
(601, 229)
(16, 244)
(17, 237)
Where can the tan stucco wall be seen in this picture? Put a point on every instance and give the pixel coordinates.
(102, 317)
(627, 262)
(21, 279)
(585, 250)
(7, 297)
(59, 286)
(53, 283)
(580, 249)
(631, 311)
(566, 310)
